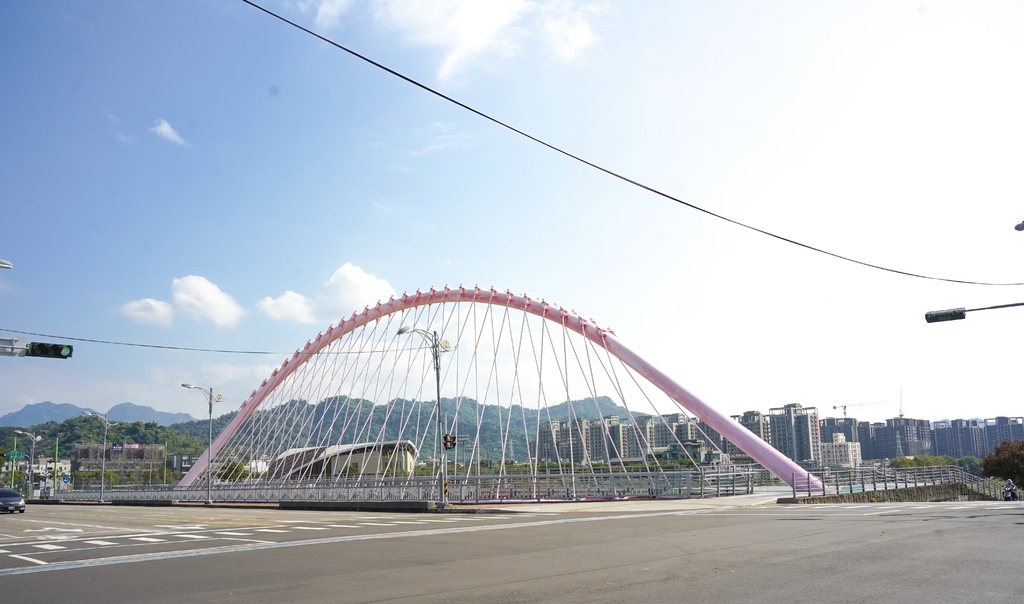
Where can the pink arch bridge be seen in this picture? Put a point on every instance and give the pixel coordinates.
(481, 393)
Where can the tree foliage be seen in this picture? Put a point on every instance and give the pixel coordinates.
(1005, 461)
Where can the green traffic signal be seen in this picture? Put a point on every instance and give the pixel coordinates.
(49, 351)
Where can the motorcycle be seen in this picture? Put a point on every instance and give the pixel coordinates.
(1009, 494)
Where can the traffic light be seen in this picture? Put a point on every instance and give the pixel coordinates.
(48, 350)
(449, 441)
(952, 314)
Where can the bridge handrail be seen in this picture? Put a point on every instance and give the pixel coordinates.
(870, 478)
(474, 489)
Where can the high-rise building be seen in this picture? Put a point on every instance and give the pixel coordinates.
(999, 429)
(795, 433)
(847, 426)
(959, 438)
(756, 422)
(903, 437)
(565, 441)
(867, 436)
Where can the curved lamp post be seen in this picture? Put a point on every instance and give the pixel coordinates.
(209, 451)
(5, 264)
(32, 455)
(437, 346)
(103, 452)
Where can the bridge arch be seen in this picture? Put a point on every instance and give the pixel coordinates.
(366, 349)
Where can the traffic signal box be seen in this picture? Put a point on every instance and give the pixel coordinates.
(49, 351)
(449, 441)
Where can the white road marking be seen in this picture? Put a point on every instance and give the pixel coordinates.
(49, 546)
(27, 559)
(99, 542)
(149, 539)
(191, 536)
(182, 527)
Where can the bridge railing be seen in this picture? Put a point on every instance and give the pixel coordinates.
(474, 489)
(857, 480)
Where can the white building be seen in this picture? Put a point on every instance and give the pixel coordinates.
(840, 453)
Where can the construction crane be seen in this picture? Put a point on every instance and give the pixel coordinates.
(843, 407)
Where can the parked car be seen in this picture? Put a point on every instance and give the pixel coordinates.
(11, 501)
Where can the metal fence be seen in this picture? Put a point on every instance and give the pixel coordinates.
(466, 490)
(858, 480)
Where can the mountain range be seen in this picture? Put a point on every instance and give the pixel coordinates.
(40, 413)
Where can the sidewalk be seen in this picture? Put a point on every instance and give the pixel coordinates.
(629, 505)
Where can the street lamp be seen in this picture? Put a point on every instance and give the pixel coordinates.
(6, 264)
(31, 455)
(209, 451)
(437, 346)
(954, 314)
(103, 452)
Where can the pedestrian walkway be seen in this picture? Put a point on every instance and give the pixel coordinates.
(630, 505)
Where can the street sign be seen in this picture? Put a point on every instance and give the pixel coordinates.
(66, 480)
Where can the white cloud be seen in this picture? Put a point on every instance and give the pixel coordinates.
(164, 130)
(198, 297)
(148, 310)
(465, 29)
(568, 28)
(289, 306)
(349, 290)
(329, 12)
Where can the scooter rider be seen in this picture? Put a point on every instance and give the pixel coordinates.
(1012, 488)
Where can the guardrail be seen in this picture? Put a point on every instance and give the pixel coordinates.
(857, 480)
(475, 489)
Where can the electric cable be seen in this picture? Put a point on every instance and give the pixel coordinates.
(608, 171)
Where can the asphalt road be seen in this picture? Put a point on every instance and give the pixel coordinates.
(928, 552)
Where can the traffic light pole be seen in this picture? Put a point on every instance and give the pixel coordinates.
(436, 346)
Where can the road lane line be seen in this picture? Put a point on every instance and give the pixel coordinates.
(27, 559)
(268, 545)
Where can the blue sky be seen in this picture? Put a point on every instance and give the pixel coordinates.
(202, 175)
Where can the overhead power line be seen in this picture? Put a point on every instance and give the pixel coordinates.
(606, 170)
(136, 345)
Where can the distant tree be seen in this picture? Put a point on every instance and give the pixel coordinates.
(232, 471)
(922, 461)
(970, 463)
(1005, 461)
